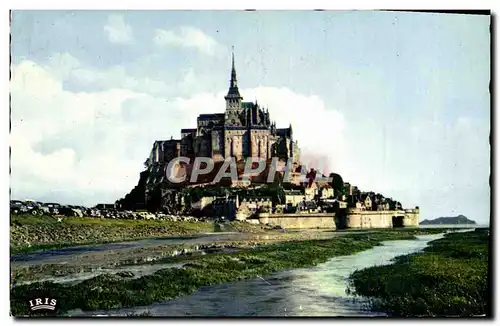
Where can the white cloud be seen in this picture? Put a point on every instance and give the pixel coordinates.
(85, 147)
(188, 37)
(42, 110)
(92, 79)
(69, 69)
(88, 147)
(318, 129)
(62, 64)
(117, 30)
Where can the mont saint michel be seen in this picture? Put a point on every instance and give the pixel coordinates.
(244, 131)
(249, 163)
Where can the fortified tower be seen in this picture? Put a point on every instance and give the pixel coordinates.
(233, 99)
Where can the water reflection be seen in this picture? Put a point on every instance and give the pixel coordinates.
(136, 272)
(65, 254)
(318, 291)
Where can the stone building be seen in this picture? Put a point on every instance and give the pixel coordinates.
(225, 207)
(368, 202)
(294, 197)
(243, 130)
(257, 203)
(326, 191)
(311, 191)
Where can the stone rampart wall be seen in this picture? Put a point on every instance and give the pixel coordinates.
(299, 221)
(357, 218)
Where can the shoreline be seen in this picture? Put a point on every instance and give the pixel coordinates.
(451, 278)
(112, 291)
(30, 234)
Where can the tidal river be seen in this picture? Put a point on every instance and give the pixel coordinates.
(317, 291)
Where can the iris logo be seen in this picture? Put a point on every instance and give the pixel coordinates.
(42, 304)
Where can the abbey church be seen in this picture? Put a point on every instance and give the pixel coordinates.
(243, 130)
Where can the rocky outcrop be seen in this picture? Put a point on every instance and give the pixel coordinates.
(460, 219)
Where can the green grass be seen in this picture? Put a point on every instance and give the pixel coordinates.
(108, 291)
(55, 246)
(32, 220)
(450, 278)
(49, 220)
(45, 232)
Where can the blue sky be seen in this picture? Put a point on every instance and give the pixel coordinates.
(395, 102)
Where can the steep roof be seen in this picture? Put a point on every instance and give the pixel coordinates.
(211, 116)
(283, 132)
(247, 105)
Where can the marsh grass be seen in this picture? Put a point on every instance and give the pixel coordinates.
(32, 233)
(111, 291)
(450, 278)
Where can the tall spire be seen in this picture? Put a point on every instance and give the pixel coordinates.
(233, 70)
(233, 85)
